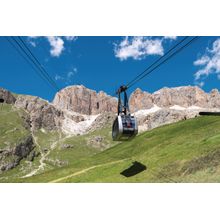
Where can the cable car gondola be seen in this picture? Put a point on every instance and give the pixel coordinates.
(125, 125)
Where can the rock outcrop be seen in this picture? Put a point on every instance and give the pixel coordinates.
(42, 114)
(164, 116)
(103, 120)
(140, 100)
(214, 99)
(185, 96)
(7, 96)
(85, 101)
(11, 156)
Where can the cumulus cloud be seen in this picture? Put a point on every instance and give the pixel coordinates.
(57, 46)
(139, 47)
(202, 61)
(56, 43)
(209, 63)
(68, 77)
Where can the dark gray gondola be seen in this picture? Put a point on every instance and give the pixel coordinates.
(125, 125)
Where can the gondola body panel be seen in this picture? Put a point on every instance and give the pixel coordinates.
(125, 127)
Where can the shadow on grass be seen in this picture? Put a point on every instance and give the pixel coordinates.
(134, 169)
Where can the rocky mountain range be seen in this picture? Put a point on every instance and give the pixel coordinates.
(185, 96)
(166, 105)
(76, 109)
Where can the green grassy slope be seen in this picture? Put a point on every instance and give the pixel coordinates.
(187, 151)
(13, 131)
(60, 150)
(12, 128)
(69, 149)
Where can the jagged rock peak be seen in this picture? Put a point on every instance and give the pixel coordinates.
(184, 96)
(42, 113)
(80, 99)
(214, 92)
(140, 100)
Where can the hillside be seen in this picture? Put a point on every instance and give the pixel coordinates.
(49, 149)
(16, 141)
(70, 141)
(187, 151)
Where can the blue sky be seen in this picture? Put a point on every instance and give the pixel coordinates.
(104, 63)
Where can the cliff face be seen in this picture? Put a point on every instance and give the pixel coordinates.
(11, 156)
(140, 100)
(85, 101)
(214, 99)
(42, 113)
(185, 96)
(164, 106)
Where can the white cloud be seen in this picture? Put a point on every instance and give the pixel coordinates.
(140, 47)
(170, 37)
(67, 79)
(57, 46)
(202, 61)
(71, 38)
(33, 43)
(200, 84)
(56, 43)
(72, 73)
(31, 40)
(209, 63)
(58, 77)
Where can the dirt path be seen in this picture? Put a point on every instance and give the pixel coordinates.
(44, 155)
(42, 164)
(85, 170)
